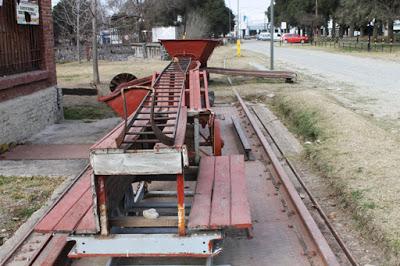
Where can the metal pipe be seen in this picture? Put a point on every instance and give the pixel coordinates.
(272, 34)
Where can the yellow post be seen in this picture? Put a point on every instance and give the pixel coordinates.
(238, 54)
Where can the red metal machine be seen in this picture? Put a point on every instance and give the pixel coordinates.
(170, 137)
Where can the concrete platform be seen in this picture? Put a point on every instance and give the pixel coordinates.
(48, 152)
(58, 150)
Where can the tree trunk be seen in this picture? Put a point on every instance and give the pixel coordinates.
(362, 31)
(333, 33)
(96, 78)
(351, 30)
(78, 31)
(341, 31)
(375, 30)
(390, 29)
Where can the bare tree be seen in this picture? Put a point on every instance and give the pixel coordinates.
(96, 76)
(196, 26)
(72, 21)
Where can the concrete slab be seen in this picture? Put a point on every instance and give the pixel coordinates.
(50, 168)
(74, 132)
(48, 152)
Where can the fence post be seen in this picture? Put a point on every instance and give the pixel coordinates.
(144, 48)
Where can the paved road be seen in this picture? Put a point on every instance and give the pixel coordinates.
(374, 79)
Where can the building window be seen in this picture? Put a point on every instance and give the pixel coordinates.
(19, 44)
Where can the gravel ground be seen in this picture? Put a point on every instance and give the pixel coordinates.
(372, 80)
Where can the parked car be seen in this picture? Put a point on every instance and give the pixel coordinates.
(294, 38)
(264, 36)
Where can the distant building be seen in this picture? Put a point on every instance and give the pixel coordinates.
(396, 26)
(29, 97)
(164, 33)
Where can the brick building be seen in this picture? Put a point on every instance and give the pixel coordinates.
(29, 97)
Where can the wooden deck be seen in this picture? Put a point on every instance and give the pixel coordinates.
(220, 199)
(74, 212)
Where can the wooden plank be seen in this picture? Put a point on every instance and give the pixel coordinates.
(53, 249)
(30, 248)
(139, 221)
(240, 207)
(242, 136)
(88, 223)
(75, 213)
(285, 140)
(221, 200)
(109, 140)
(70, 198)
(199, 217)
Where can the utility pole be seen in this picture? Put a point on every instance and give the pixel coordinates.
(238, 52)
(78, 30)
(238, 21)
(96, 78)
(316, 18)
(272, 29)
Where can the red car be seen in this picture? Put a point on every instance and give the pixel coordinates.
(294, 38)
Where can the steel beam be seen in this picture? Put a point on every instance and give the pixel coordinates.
(146, 245)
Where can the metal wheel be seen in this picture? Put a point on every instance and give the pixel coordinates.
(121, 78)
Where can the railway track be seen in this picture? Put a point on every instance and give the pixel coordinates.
(284, 230)
(286, 173)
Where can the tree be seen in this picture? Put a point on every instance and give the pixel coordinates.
(218, 16)
(95, 62)
(213, 14)
(72, 22)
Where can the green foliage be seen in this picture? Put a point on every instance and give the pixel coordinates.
(166, 12)
(217, 15)
(354, 13)
(87, 112)
(303, 121)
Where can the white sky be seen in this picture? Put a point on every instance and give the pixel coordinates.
(253, 9)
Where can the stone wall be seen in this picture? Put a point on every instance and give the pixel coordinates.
(30, 101)
(24, 116)
(115, 52)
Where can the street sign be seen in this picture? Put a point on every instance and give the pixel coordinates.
(27, 13)
(283, 25)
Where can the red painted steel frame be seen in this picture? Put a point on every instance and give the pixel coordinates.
(200, 49)
(180, 191)
(133, 97)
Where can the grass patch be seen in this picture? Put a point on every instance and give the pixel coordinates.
(357, 159)
(302, 120)
(87, 112)
(20, 197)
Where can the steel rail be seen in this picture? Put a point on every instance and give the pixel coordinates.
(317, 206)
(322, 245)
(253, 73)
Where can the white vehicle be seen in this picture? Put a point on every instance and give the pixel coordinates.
(264, 36)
